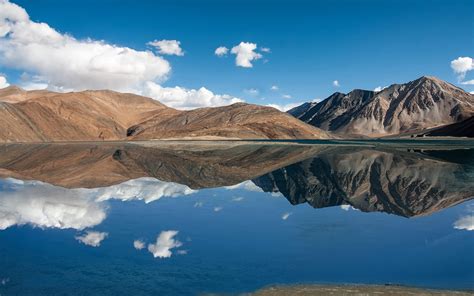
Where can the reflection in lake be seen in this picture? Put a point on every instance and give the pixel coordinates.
(186, 218)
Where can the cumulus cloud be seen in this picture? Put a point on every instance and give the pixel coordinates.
(462, 65)
(169, 47)
(138, 244)
(46, 206)
(63, 61)
(245, 54)
(182, 98)
(3, 82)
(146, 189)
(252, 91)
(218, 209)
(92, 238)
(466, 223)
(379, 88)
(468, 82)
(221, 51)
(285, 107)
(336, 83)
(285, 216)
(246, 185)
(472, 92)
(265, 49)
(165, 242)
(274, 87)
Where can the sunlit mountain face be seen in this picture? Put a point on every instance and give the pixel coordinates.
(234, 216)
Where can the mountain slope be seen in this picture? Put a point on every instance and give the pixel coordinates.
(463, 128)
(400, 108)
(42, 116)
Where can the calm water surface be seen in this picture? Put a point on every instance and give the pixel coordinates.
(194, 218)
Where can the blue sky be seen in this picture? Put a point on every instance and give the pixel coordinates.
(361, 44)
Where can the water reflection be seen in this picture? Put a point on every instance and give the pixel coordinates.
(397, 181)
(147, 215)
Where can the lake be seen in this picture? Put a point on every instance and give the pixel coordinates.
(187, 218)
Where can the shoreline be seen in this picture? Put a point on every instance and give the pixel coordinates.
(353, 289)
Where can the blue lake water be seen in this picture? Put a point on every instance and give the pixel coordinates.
(98, 220)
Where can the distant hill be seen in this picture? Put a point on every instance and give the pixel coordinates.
(43, 116)
(400, 108)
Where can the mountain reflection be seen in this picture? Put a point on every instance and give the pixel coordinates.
(66, 185)
(392, 181)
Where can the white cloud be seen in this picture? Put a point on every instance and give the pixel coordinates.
(252, 91)
(138, 244)
(63, 61)
(169, 47)
(245, 54)
(4, 281)
(221, 51)
(164, 243)
(465, 223)
(239, 198)
(336, 83)
(198, 204)
(46, 206)
(462, 65)
(218, 209)
(380, 88)
(274, 87)
(286, 96)
(265, 49)
(285, 107)
(472, 92)
(182, 252)
(92, 238)
(182, 98)
(3, 82)
(146, 189)
(285, 216)
(468, 82)
(246, 185)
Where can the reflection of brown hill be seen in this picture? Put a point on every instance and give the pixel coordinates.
(405, 184)
(100, 165)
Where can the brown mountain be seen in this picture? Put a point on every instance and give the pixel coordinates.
(400, 108)
(43, 116)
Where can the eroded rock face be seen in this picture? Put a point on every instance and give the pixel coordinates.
(401, 183)
(44, 116)
(400, 108)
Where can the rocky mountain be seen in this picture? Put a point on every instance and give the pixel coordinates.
(43, 116)
(396, 182)
(400, 108)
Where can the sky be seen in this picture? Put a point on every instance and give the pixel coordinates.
(191, 54)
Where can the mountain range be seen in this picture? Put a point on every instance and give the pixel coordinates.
(45, 116)
(423, 107)
(398, 109)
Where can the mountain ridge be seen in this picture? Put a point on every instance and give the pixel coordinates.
(420, 104)
(99, 115)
